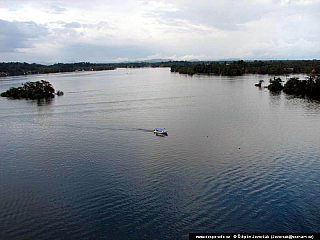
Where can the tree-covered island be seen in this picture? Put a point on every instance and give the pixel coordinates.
(32, 90)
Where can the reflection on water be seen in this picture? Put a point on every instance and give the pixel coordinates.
(44, 101)
(87, 165)
(161, 134)
(39, 102)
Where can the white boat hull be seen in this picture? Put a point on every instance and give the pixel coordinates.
(160, 131)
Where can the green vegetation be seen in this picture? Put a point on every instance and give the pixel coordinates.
(16, 68)
(216, 68)
(275, 85)
(225, 68)
(309, 87)
(32, 90)
(238, 68)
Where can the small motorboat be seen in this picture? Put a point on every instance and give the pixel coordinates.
(160, 131)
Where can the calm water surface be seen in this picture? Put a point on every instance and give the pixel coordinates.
(87, 165)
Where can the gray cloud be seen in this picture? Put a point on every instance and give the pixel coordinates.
(15, 35)
(73, 25)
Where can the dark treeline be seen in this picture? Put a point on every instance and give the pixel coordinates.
(234, 68)
(237, 68)
(16, 68)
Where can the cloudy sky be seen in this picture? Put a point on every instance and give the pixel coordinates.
(125, 30)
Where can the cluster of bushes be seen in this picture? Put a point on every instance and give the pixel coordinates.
(32, 90)
(309, 87)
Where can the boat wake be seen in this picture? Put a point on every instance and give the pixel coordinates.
(107, 128)
(142, 130)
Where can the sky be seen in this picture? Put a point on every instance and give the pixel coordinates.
(104, 31)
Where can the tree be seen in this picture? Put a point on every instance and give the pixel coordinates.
(275, 85)
(31, 90)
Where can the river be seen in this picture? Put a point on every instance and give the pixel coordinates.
(87, 165)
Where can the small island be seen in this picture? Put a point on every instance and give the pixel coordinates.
(32, 90)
